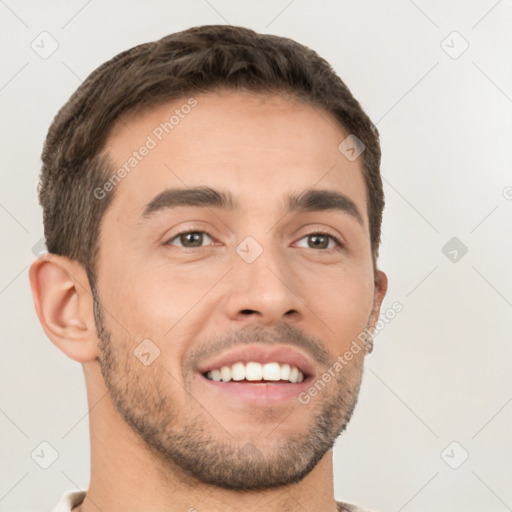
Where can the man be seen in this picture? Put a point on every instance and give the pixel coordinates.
(212, 208)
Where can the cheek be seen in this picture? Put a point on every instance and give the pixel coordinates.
(343, 300)
(157, 303)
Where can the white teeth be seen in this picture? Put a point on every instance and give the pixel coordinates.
(253, 371)
(271, 371)
(285, 371)
(216, 375)
(238, 371)
(225, 373)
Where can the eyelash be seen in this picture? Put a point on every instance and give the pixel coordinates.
(339, 244)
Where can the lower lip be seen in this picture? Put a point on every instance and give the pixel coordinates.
(259, 393)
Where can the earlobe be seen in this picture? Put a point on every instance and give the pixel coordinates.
(64, 305)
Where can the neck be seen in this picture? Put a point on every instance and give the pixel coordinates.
(128, 475)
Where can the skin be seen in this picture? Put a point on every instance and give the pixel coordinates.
(191, 301)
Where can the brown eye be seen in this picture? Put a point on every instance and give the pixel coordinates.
(190, 239)
(318, 241)
(322, 241)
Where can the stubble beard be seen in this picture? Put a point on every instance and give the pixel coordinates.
(188, 444)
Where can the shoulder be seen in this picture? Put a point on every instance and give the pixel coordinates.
(69, 500)
(347, 507)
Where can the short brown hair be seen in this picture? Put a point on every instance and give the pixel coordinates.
(197, 60)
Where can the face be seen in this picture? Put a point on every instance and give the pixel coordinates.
(236, 249)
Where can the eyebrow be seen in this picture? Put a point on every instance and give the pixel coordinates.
(207, 197)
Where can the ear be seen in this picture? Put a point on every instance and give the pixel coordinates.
(64, 304)
(380, 289)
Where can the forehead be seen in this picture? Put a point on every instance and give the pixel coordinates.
(261, 147)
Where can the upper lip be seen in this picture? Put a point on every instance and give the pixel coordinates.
(261, 354)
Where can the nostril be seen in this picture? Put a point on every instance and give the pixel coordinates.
(248, 311)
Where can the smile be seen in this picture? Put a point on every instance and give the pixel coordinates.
(258, 375)
(256, 372)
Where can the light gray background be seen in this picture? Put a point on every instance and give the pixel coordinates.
(440, 371)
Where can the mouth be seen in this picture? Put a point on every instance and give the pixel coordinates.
(259, 375)
(253, 371)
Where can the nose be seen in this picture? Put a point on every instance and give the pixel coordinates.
(263, 290)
